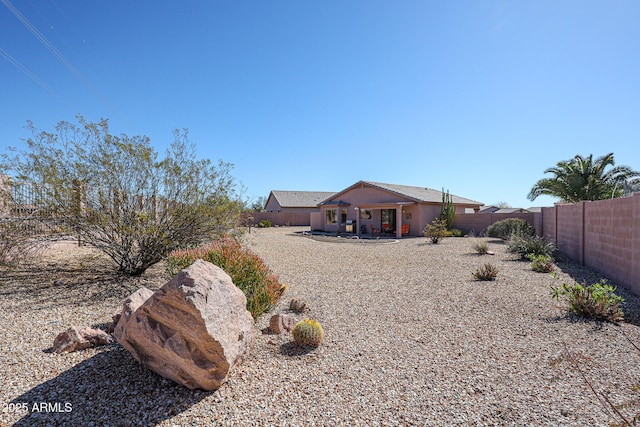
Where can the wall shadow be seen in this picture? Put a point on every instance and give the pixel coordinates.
(110, 388)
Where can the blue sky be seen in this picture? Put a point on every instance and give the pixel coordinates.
(478, 97)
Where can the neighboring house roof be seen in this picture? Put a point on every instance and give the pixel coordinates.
(510, 210)
(417, 194)
(494, 209)
(299, 199)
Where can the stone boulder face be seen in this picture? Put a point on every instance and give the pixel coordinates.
(193, 330)
(129, 306)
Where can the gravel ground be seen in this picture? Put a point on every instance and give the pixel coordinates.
(410, 339)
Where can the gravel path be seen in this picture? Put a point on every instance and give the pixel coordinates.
(410, 339)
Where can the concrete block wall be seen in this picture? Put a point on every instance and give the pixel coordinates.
(612, 239)
(479, 222)
(569, 230)
(283, 218)
(603, 235)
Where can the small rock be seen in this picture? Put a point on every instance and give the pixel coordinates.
(280, 323)
(78, 338)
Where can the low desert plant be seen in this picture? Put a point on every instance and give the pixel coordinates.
(248, 271)
(541, 263)
(486, 272)
(598, 301)
(308, 332)
(298, 306)
(265, 223)
(481, 246)
(531, 245)
(436, 230)
(508, 227)
(457, 233)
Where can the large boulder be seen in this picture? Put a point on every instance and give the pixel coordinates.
(193, 330)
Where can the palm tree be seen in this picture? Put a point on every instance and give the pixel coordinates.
(581, 178)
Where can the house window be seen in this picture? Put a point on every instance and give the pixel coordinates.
(343, 216)
(331, 216)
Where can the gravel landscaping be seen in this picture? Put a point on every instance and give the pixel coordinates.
(410, 339)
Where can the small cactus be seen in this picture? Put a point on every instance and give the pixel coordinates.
(308, 332)
(297, 305)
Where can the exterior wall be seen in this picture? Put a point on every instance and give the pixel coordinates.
(411, 216)
(283, 218)
(272, 205)
(316, 221)
(570, 230)
(427, 214)
(479, 222)
(612, 239)
(549, 224)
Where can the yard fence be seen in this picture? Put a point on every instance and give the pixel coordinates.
(283, 218)
(21, 206)
(603, 235)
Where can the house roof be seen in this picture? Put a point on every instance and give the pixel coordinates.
(299, 199)
(417, 194)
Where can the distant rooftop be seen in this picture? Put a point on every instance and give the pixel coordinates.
(300, 199)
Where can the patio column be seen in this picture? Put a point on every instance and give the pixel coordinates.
(357, 209)
(399, 222)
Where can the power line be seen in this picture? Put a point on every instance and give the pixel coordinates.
(32, 76)
(47, 43)
(55, 53)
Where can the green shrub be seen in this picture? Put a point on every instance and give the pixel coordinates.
(248, 271)
(511, 226)
(481, 247)
(486, 272)
(436, 230)
(597, 301)
(531, 245)
(265, 223)
(541, 263)
(457, 233)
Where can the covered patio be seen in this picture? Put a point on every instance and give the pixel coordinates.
(378, 219)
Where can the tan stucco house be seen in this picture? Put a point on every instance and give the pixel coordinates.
(370, 208)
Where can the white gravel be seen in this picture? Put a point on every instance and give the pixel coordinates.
(410, 339)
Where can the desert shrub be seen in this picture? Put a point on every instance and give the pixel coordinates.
(118, 195)
(508, 227)
(481, 246)
(265, 223)
(531, 245)
(541, 263)
(436, 230)
(597, 301)
(457, 233)
(248, 271)
(486, 272)
(19, 241)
